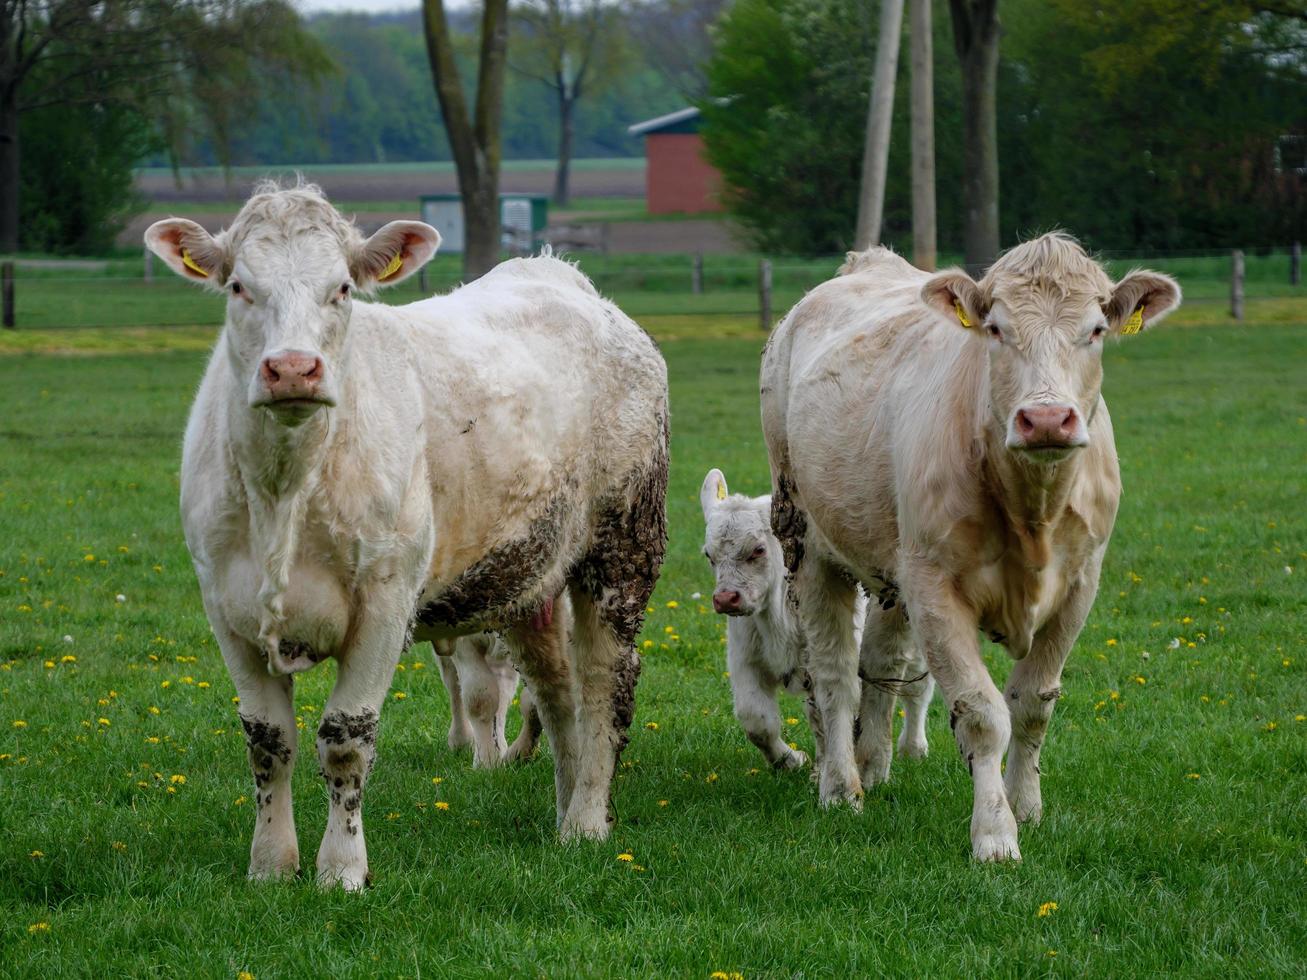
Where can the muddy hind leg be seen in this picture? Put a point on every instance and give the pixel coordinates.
(609, 594)
(460, 732)
(528, 739)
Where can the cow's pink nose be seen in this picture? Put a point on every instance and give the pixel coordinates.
(1048, 425)
(726, 601)
(292, 374)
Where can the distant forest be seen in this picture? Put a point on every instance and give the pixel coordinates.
(380, 105)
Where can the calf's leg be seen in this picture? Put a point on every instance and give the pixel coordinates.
(916, 702)
(945, 628)
(883, 664)
(485, 702)
(754, 698)
(460, 732)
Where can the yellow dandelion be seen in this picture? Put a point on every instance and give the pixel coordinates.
(49, 664)
(1193, 775)
(437, 780)
(651, 725)
(153, 710)
(88, 558)
(152, 740)
(1300, 717)
(37, 854)
(19, 723)
(245, 975)
(441, 805)
(1111, 642)
(626, 856)
(36, 927)
(400, 695)
(202, 685)
(392, 815)
(104, 722)
(236, 699)
(119, 846)
(669, 629)
(1047, 909)
(165, 684)
(240, 801)
(712, 777)
(68, 658)
(177, 779)
(663, 802)
(647, 644)
(1270, 726)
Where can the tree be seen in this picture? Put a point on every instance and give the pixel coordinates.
(476, 139)
(676, 36)
(923, 136)
(148, 55)
(880, 109)
(975, 37)
(571, 46)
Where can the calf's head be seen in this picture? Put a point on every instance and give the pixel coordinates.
(739, 544)
(1045, 309)
(290, 265)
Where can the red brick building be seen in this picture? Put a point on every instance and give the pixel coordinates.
(678, 178)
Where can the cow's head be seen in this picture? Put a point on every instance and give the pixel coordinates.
(739, 544)
(1045, 309)
(290, 265)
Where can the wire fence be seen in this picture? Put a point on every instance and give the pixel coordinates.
(48, 294)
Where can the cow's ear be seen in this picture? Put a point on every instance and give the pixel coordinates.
(189, 250)
(1140, 300)
(713, 491)
(956, 295)
(394, 253)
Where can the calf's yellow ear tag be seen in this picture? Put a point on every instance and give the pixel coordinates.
(721, 490)
(1135, 323)
(190, 264)
(962, 314)
(392, 267)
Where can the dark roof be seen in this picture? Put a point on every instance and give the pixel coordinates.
(681, 121)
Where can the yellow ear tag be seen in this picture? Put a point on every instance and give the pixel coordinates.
(962, 314)
(395, 264)
(721, 490)
(1135, 323)
(190, 264)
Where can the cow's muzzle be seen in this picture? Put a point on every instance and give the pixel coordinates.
(292, 379)
(1047, 430)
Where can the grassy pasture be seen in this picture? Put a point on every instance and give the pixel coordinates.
(1175, 783)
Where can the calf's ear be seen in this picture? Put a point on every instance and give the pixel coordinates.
(956, 295)
(394, 253)
(189, 250)
(712, 492)
(1140, 300)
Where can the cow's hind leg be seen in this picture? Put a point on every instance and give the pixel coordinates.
(528, 739)
(485, 694)
(612, 585)
(541, 652)
(826, 607)
(883, 661)
(268, 716)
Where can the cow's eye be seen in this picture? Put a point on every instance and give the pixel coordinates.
(235, 289)
(708, 556)
(1098, 331)
(758, 552)
(994, 332)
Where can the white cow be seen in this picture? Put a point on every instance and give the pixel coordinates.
(465, 458)
(764, 648)
(944, 442)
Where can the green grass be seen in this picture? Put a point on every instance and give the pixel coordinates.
(1153, 872)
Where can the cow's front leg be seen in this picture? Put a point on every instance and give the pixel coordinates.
(268, 716)
(945, 629)
(1033, 688)
(347, 736)
(460, 731)
(826, 607)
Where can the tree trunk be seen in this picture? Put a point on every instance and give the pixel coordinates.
(975, 35)
(880, 112)
(9, 173)
(475, 141)
(923, 136)
(562, 176)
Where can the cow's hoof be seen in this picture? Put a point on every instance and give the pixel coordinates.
(1030, 812)
(913, 749)
(837, 791)
(517, 752)
(458, 738)
(283, 873)
(351, 879)
(793, 759)
(992, 848)
(590, 825)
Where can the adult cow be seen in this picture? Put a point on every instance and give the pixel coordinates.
(482, 451)
(944, 442)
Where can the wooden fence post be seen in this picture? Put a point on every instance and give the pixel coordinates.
(7, 288)
(149, 267)
(696, 274)
(764, 294)
(422, 281)
(1236, 285)
(1295, 264)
